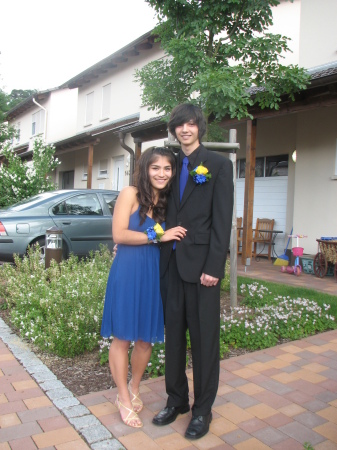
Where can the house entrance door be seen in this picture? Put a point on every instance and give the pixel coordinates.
(118, 173)
(68, 180)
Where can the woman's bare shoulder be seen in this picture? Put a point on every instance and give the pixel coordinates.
(128, 192)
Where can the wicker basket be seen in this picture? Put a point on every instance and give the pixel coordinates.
(329, 249)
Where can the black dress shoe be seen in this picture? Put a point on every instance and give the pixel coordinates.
(198, 426)
(169, 414)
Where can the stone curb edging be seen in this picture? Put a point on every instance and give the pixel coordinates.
(96, 435)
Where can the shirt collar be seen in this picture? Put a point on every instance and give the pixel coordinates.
(192, 158)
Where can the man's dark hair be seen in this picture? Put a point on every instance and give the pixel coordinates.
(184, 113)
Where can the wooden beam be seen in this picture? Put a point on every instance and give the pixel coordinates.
(132, 52)
(233, 241)
(119, 59)
(143, 46)
(75, 145)
(249, 192)
(90, 161)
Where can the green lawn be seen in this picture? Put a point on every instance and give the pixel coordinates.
(296, 292)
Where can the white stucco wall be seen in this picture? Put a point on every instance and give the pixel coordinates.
(125, 92)
(25, 121)
(286, 22)
(315, 203)
(318, 32)
(62, 112)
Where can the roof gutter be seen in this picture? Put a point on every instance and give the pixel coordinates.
(131, 152)
(45, 118)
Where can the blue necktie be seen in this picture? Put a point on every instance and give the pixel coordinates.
(182, 184)
(183, 177)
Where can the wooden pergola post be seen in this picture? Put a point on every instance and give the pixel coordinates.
(247, 235)
(234, 234)
(90, 161)
(138, 149)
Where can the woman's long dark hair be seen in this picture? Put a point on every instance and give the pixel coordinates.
(141, 181)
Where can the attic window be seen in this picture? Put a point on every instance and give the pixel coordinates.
(106, 98)
(38, 122)
(17, 132)
(89, 109)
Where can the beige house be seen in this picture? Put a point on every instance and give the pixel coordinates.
(101, 124)
(49, 114)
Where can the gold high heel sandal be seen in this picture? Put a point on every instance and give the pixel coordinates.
(137, 403)
(132, 416)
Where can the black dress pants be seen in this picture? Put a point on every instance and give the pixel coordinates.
(196, 307)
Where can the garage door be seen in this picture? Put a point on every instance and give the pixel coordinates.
(270, 201)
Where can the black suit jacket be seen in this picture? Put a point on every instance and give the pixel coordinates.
(206, 212)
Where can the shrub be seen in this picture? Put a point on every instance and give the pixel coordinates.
(58, 309)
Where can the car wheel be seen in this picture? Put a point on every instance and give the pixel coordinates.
(42, 245)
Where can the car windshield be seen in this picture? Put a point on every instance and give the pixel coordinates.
(29, 202)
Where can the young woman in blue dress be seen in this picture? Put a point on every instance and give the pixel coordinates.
(133, 310)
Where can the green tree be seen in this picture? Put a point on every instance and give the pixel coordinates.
(19, 95)
(220, 56)
(3, 105)
(19, 179)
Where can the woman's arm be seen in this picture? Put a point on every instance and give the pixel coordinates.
(125, 205)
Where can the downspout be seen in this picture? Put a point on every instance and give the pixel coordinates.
(45, 118)
(132, 155)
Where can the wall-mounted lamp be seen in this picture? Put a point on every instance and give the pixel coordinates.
(293, 156)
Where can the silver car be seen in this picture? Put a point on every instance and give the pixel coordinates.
(84, 216)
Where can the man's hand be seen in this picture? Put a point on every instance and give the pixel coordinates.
(208, 280)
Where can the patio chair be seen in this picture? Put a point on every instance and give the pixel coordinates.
(239, 234)
(263, 234)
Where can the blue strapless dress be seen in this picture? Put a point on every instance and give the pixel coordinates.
(133, 307)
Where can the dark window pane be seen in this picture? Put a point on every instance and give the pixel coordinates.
(242, 168)
(259, 167)
(84, 204)
(277, 166)
(111, 201)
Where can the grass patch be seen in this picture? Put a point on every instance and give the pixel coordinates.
(296, 292)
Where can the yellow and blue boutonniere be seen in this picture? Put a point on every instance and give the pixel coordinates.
(200, 174)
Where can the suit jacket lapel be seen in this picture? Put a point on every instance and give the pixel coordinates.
(175, 185)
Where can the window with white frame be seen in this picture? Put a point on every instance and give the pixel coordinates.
(89, 109)
(38, 122)
(103, 168)
(17, 132)
(106, 98)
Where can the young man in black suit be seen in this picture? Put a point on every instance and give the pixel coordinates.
(191, 270)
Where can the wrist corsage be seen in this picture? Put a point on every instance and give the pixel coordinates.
(200, 174)
(154, 233)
